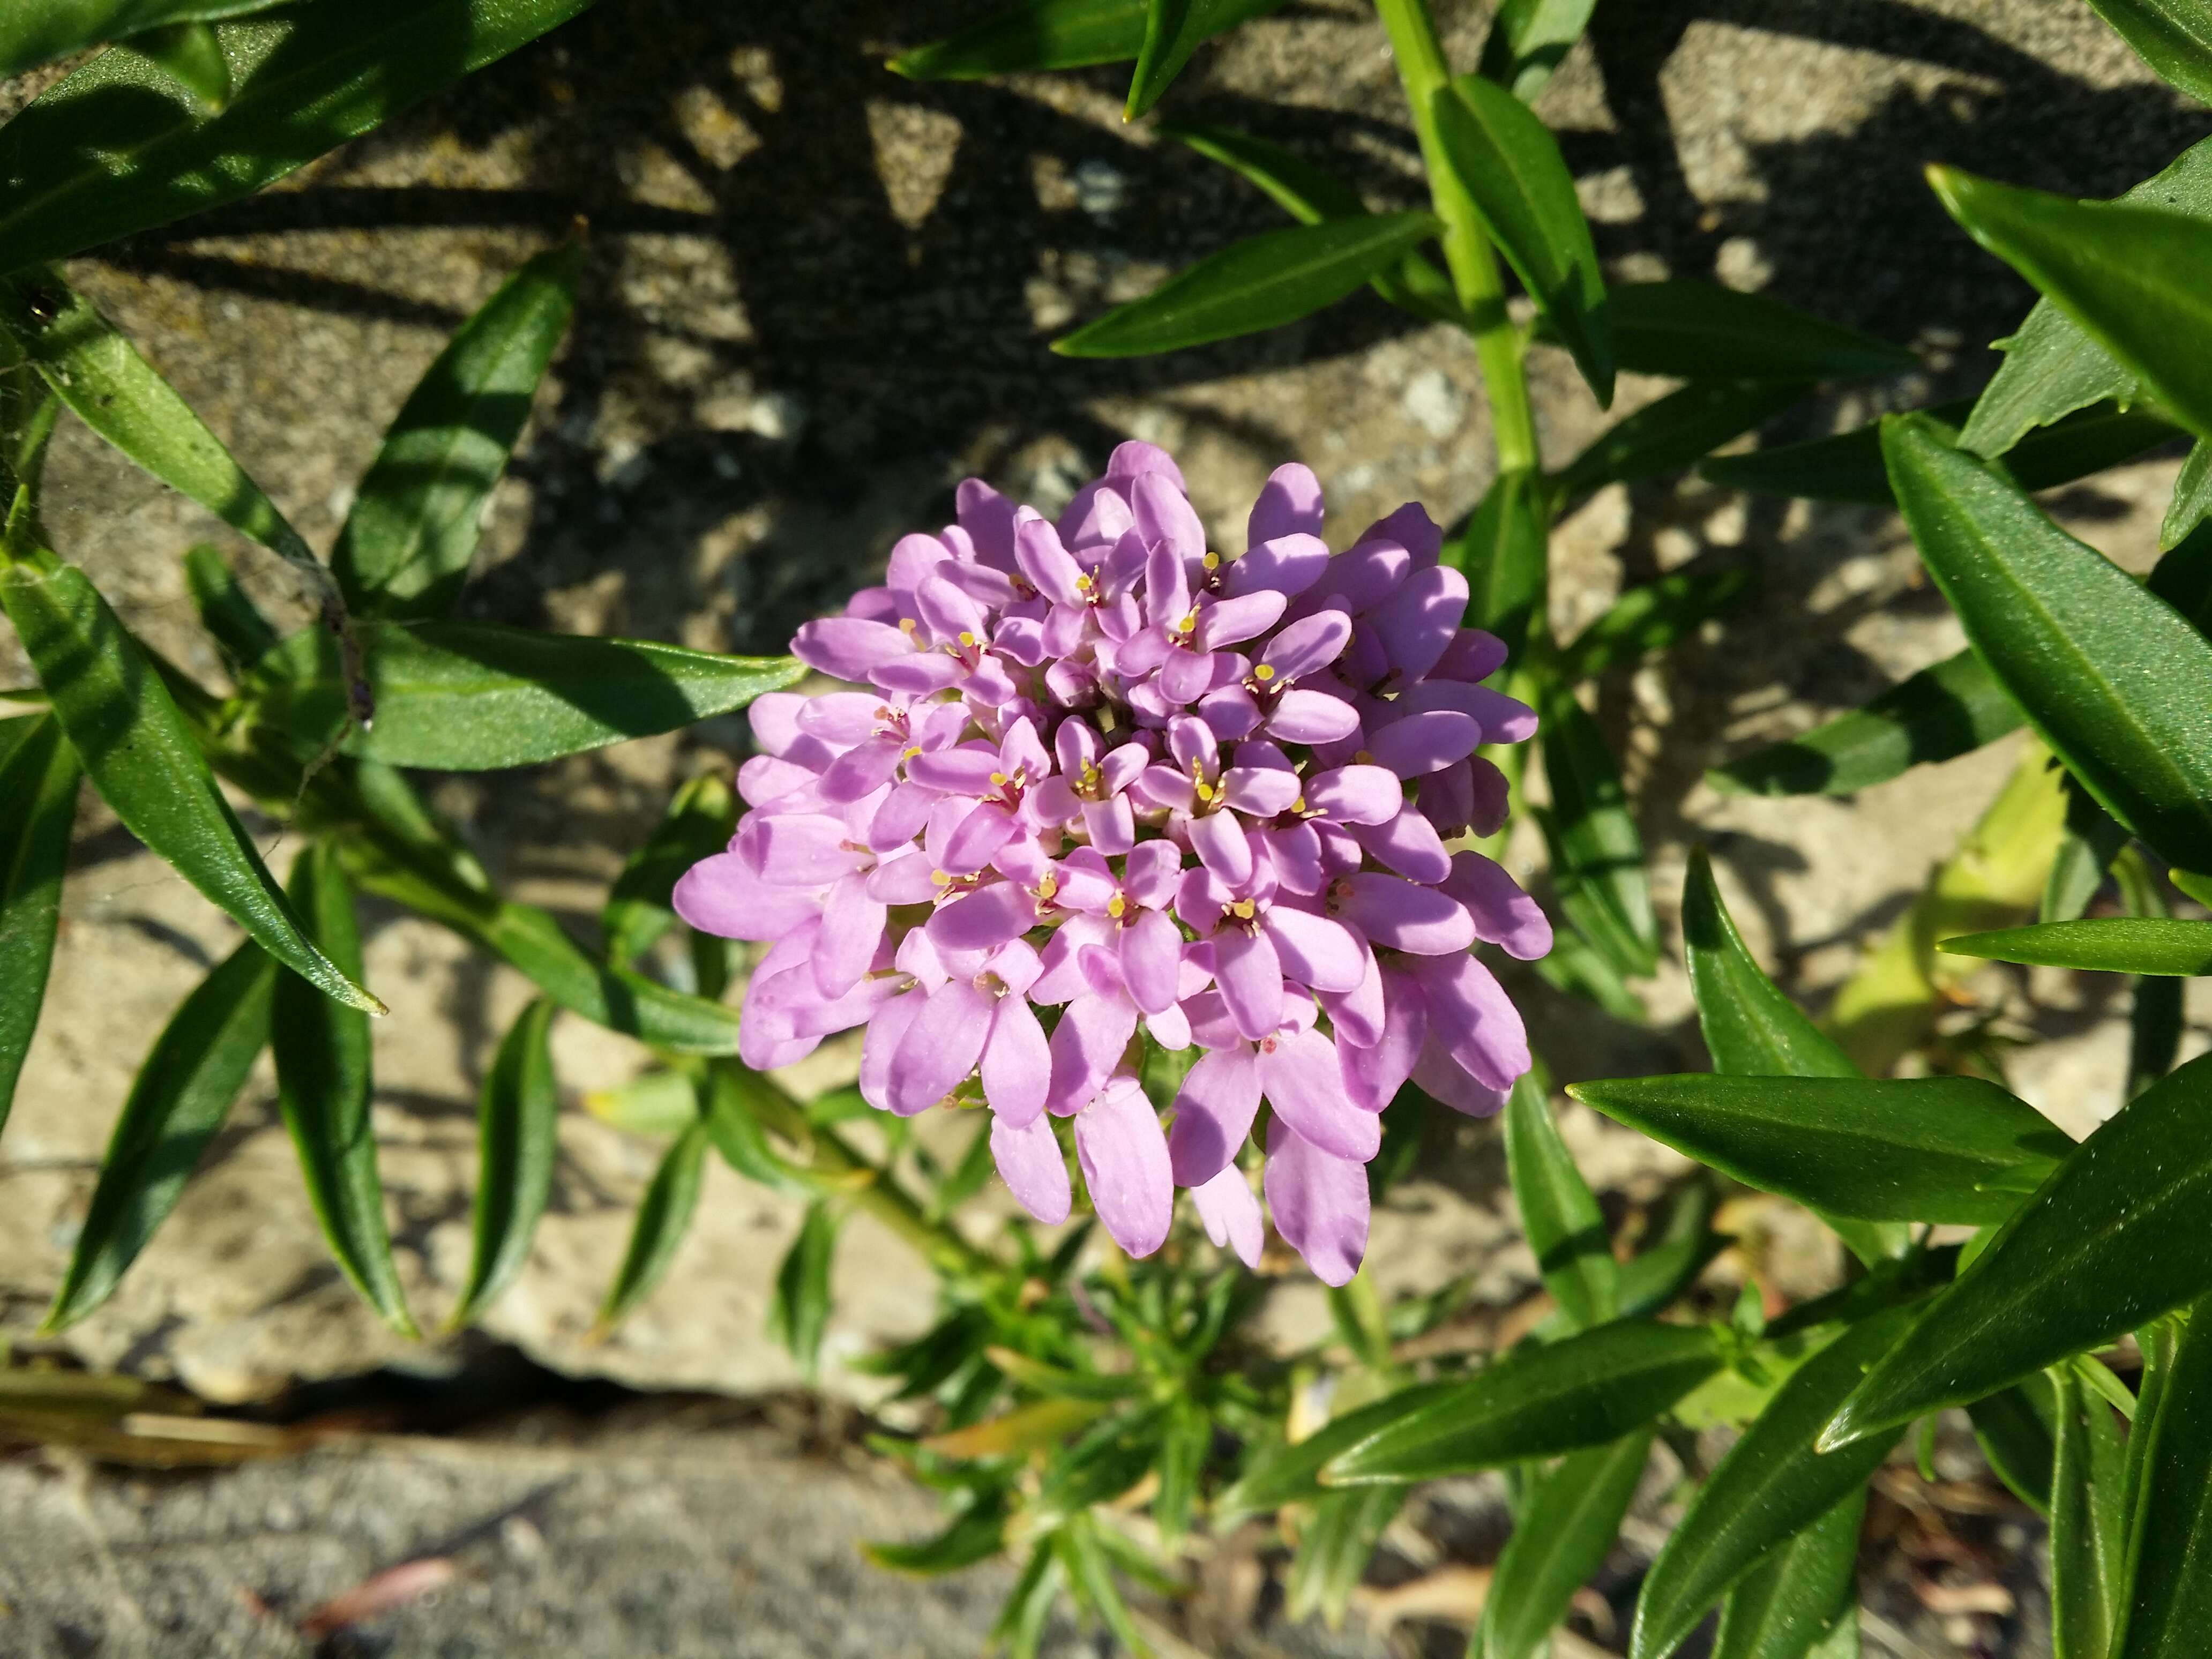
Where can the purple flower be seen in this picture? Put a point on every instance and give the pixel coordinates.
(1100, 787)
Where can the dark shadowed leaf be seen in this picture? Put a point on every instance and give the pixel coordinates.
(1559, 1212)
(1335, 1548)
(1510, 167)
(2174, 37)
(120, 146)
(241, 633)
(184, 1088)
(976, 1535)
(698, 825)
(1697, 331)
(1676, 432)
(664, 1215)
(1596, 837)
(2016, 1428)
(476, 696)
(1561, 1536)
(2170, 1591)
(39, 780)
(192, 54)
(323, 1086)
(142, 758)
(1651, 618)
(798, 1312)
(2113, 944)
(2088, 1527)
(1528, 38)
(1173, 30)
(1503, 552)
(2193, 497)
(731, 1100)
(1751, 1029)
(2091, 839)
(36, 32)
(1261, 282)
(1049, 34)
(517, 1121)
(1787, 1603)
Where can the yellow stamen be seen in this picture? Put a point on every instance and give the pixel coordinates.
(1048, 888)
(939, 878)
(998, 778)
(1212, 562)
(1116, 906)
(910, 751)
(1365, 757)
(1205, 792)
(1263, 673)
(1242, 910)
(906, 624)
(1188, 624)
(1299, 804)
(967, 638)
(1082, 583)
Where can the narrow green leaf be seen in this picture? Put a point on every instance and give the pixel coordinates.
(1561, 1536)
(2087, 1526)
(1061, 1382)
(1697, 331)
(39, 780)
(1528, 38)
(1021, 1622)
(476, 696)
(1783, 1607)
(659, 1103)
(1663, 1270)
(1503, 550)
(1651, 618)
(2115, 680)
(1751, 1029)
(2131, 276)
(1585, 1390)
(1276, 1472)
(2160, 1343)
(1335, 1547)
(2191, 505)
(1597, 836)
(2174, 37)
(241, 633)
(2091, 839)
(2111, 1242)
(1173, 30)
(517, 1122)
(183, 1091)
(798, 1312)
(1184, 1448)
(142, 758)
(1772, 1485)
(1942, 1149)
(1559, 1212)
(664, 1214)
(1575, 967)
(2169, 1600)
(36, 32)
(192, 55)
(2156, 1016)
(1676, 432)
(734, 1124)
(1051, 34)
(976, 1535)
(1261, 282)
(120, 146)
(1944, 711)
(700, 820)
(2113, 944)
(2017, 1430)
(406, 548)
(323, 1088)
(1510, 167)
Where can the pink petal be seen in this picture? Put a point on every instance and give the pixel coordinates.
(852, 929)
(1404, 917)
(1219, 1098)
(978, 839)
(940, 1048)
(1445, 1081)
(985, 919)
(887, 1028)
(848, 648)
(1086, 1046)
(1124, 1166)
(723, 895)
(1307, 644)
(1016, 1063)
(1231, 1214)
(1503, 914)
(1290, 502)
(1408, 843)
(1470, 1013)
(1029, 1162)
(1303, 1081)
(1373, 1075)
(1152, 959)
(1219, 839)
(1319, 1203)
(1164, 516)
(1425, 743)
(1356, 794)
(1320, 954)
(802, 849)
(1251, 976)
(1302, 716)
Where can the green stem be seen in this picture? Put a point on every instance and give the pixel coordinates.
(1422, 69)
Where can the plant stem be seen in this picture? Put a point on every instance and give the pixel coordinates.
(1422, 69)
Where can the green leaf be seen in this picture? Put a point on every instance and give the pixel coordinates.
(1751, 1029)
(120, 146)
(2191, 505)
(1276, 1472)
(2174, 37)
(2115, 680)
(36, 32)
(2111, 1242)
(1653, 1278)
(1651, 618)
(1510, 167)
(1941, 1148)
(1696, 331)
(1585, 1390)
(2113, 945)
(39, 780)
(976, 1535)
(185, 1087)
(1786, 1604)
(1335, 1547)
(1173, 30)
(663, 1216)
(517, 1124)
(798, 1312)
(2088, 845)
(1185, 1446)
(1574, 966)
(405, 547)
(142, 758)
(2160, 1344)
(1772, 1485)
(1561, 1536)
(1941, 712)
(323, 1088)
(2131, 276)
(1051, 34)
(1261, 282)
(192, 55)
(1596, 838)
(241, 633)
(1675, 431)
(1559, 1212)
(1021, 1623)
(1528, 38)
(1503, 551)
(2017, 1430)
(2088, 1528)
(701, 819)
(475, 696)
(660, 1103)
(2169, 1600)
(734, 1124)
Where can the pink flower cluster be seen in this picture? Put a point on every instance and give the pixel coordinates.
(1100, 769)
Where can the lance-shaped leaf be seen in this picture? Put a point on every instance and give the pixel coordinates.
(2191, 505)
(1503, 551)
(192, 54)
(406, 545)
(2114, 679)
(1278, 1473)
(1585, 1390)
(974, 1535)
(1559, 1212)
(1946, 1149)
(120, 146)
(798, 1312)
(1697, 331)
(184, 1089)
(2131, 276)
(517, 1122)
(698, 825)
(141, 757)
(1650, 617)
(39, 779)
(1676, 432)
(323, 1087)
(2090, 842)
(475, 696)
(1510, 167)
(1174, 29)
(1335, 1548)
(2111, 1242)
(1772, 1485)
(241, 633)
(36, 32)
(2174, 37)
(1050, 35)
(2088, 1526)
(2169, 1592)
(664, 1216)
(1528, 38)
(1783, 1607)
(1596, 837)
(1561, 1536)
(2016, 1429)
(1261, 282)
(731, 1103)
(2114, 945)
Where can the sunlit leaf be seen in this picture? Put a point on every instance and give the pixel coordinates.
(976, 1534)
(39, 780)
(1503, 551)
(2191, 505)
(1017, 1432)
(36, 32)
(1278, 1473)
(241, 633)
(1173, 30)
(2110, 945)
(664, 1215)
(2174, 37)
(1782, 1608)
(2169, 1602)
(1335, 1546)
(1050, 35)
(1528, 38)
(517, 1121)
(1562, 1534)
(2088, 1528)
